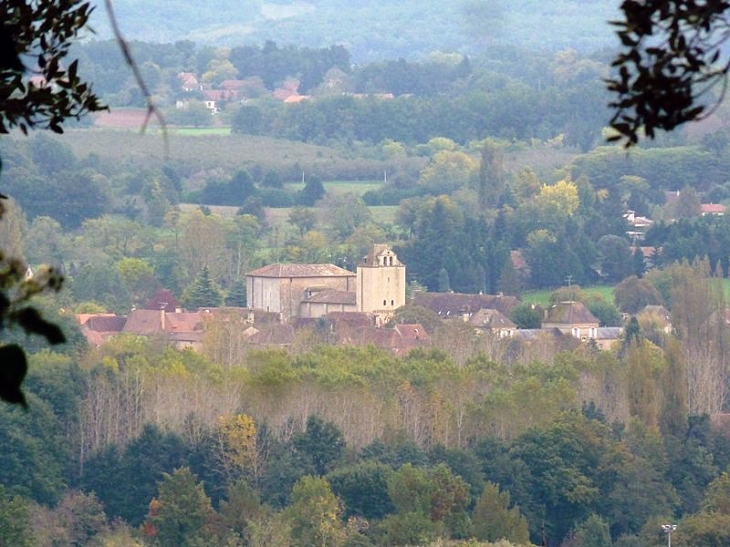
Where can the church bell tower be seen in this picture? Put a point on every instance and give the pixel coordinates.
(381, 283)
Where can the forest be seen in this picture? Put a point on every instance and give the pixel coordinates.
(374, 30)
(488, 172)
(473, 440)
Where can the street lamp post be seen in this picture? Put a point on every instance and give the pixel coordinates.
(668, 529)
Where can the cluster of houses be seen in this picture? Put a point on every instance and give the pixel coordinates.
(231, 92)
(638, 225)
(227, 91)
(238, 91)
(350, 308)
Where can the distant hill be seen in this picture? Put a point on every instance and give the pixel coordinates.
(372, 29)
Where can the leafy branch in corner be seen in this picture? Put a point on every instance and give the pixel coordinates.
(35, 38)
(40, 90)
(16, 290)
(671, 59)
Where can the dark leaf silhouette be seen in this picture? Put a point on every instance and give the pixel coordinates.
(13, 368)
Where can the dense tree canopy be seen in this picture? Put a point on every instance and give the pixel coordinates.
(511, 440)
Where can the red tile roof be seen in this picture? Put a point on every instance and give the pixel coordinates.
(218, 95)
(101, 322)
(97, 327)
(352, 318)
(282, 94)
(380, 338)
(412, 331)
(648, 252)
(712, 209)
(296, 98)
(183, 322)
(274, 335)
(187, 79)
(233, 84)
(144, 322)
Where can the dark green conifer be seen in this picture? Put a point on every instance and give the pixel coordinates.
(202, 292)
(237, 295)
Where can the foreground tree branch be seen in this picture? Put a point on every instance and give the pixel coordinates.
(36, 88)
(39, 90)
(670, 62)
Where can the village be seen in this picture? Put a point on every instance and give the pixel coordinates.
(355, 308)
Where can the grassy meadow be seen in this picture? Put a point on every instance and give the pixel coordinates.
(543, 297)
(195, 148)
(208, 147)
(342, 186)
(199, 131)
(278, 217)
(382, 214)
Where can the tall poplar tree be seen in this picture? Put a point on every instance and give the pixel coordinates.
(698, 304)
(491, 176)
(642, 360)
(673, 419)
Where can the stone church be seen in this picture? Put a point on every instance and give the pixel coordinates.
(314, 290)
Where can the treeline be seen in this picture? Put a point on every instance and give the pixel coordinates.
(506, 441)
(119, 233)
(560, 229)
(518, 112)
(45, 176)
(688, 238)
(531, 96)
(460, 100)
(273, 64)
(646, 172)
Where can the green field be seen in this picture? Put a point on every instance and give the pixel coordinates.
(384, 214)
(358, 187)
(192, 148)
(225, 211)
(214, 147)
(199, 131)
(605, 291)
(543, 297)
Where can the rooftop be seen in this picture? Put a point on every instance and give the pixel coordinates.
(570, 313)
(279, 270)
(331, 296)
(456, 304)
(491, 319)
